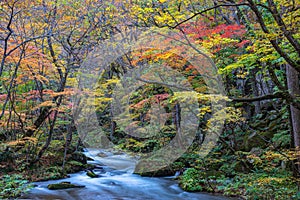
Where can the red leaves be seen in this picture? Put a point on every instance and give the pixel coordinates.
(140, 104)
(35, 94)
(243, 43)
(160, 97)
(3, 96)
(200, 30)
(230, 31)
(154, 99)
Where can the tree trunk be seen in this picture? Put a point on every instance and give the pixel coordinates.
(68, 142)
(48, 140)
(294, 89)
(112, 125)
(177, 119)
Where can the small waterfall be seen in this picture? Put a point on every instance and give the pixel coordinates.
(120, 161)
(177, 174)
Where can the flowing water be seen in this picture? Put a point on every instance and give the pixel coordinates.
(116, 182)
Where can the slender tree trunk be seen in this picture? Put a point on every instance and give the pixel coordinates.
(255, 89)
(177, 119)
(48, 141)
(112, 125)
(68, 142)
(294, 89)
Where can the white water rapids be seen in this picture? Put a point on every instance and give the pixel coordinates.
(116, 182)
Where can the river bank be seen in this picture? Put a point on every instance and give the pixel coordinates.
(115, 181)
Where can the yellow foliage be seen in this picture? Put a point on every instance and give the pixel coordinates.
(44, 104)
(254, 159)
(22, 141)
(271, 155)
(268, 180)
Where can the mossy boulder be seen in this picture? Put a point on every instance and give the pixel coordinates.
(74, 166)
(102, 155)
(92, 174)
(166, 171)
(79, 157)
(144, 167)
(257, 140)
(63, 185)
(89, 158)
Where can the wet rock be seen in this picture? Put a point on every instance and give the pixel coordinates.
(63, 185)
(257, 151)
(79, 157)
(144, 168)
(89, 158)
(159, 173)
(91, 174)
(118, 153)
(102, 155)
(98, 167)
(74, 166)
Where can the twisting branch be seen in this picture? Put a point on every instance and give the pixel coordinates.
(165, 84)
(26, 41)
(282, 26)
(7, 38)
(208, 9)
(274, 43)
(11, 84)
(6, 53)
(280, 95)
(259, 98)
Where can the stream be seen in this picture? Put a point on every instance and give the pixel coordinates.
(116, 182)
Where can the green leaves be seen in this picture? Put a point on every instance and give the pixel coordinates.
(191, 180)
(13, 185)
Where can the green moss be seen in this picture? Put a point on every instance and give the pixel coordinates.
(73, 166)
(91, 174)
(63, 185)
(79, 157)
(143, 166)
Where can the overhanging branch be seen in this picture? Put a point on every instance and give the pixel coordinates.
(208, 9)
(280, 95)
(259, 98)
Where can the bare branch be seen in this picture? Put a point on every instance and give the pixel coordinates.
(165, 84)
(208, 9)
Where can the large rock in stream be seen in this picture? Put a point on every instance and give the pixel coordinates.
(91, 174)
(152, 168)
(79, 157)
(63, 185)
